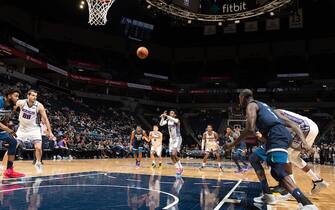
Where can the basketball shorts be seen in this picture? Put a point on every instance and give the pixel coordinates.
(138, 149)
(294, 155)
(175, 143)
(212, 147)
(33, 135)
(157, 150)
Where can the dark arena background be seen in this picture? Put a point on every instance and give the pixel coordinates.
(83, 82)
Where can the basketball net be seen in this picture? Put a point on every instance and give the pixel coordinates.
(98, 10)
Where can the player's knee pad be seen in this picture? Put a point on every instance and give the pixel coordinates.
(12, 143)
(278, 171)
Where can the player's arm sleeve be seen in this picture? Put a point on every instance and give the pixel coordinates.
(162, 122)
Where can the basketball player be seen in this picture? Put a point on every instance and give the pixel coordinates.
(31, 111)
(137, 138)
(175, 141)
(156, 138)
(238, 155)
(7, 135)
(210, 139)
(310, 131)
(278, 139)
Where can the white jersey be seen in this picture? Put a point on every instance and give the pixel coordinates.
(302, 121)
(308, 127)
(210, 137)
(174, 132)
(155, 136)
(29, 118)
(174, 129)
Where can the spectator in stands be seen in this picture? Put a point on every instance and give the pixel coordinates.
(229, 136)
(331, 154)
(316, 155)
(322, 154)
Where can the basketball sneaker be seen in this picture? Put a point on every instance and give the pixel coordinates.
(265, 198)
(179, 172)
(10, 173)
(246, 168)
(238, 171)
(284, 195)
(307, 207)
(138, 163)
(318, 186)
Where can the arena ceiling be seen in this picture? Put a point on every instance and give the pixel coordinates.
(168, 29)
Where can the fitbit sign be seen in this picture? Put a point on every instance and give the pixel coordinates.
(234, 7)
(219, 7)
(226, 7)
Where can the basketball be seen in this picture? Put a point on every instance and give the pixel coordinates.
(142, 52)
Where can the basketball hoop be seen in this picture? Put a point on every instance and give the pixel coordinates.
(98, 10)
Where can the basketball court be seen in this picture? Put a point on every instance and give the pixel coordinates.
(104, 184)
(116, 184)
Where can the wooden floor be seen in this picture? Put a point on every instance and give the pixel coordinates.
(324, 200)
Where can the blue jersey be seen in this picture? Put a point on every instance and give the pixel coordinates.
(138, 142)
(5, 112)
(266, 118)
(268, 123)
